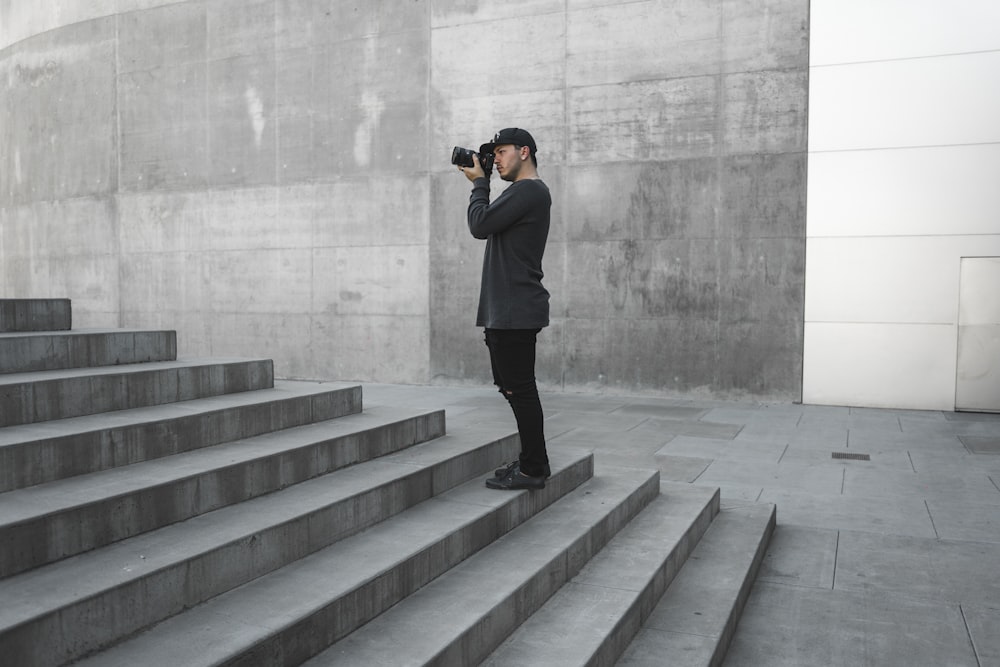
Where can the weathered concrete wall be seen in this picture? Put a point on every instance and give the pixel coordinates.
(272, 177)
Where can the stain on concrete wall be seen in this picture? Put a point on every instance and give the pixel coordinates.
(272, 177)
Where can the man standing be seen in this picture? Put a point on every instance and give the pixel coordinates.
(513, 304)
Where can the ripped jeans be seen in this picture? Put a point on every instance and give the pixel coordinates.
(512, 357)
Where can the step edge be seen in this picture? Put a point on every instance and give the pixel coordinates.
(635, 604)
(232, 596)
(470, 646)
(16, 456)
(72, 516)
(715, 646)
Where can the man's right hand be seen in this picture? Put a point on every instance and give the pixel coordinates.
(475, 171)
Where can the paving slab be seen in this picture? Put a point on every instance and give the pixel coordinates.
(947, 424)
(957, 520)
(661, 411)
(825, 478)
(565, 420)
(700, 429)
(920, 441)
(681, 468)
(983, 623)
(785, 415)
(938, 570)
(683, 445)
(900, 516)
(893, 460)
(981, 444)
(956, 484)
(644, 442)
(955, 455)
(789, 626)
(737, 495)
(800, 556)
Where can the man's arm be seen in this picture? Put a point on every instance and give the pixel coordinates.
(486, 218)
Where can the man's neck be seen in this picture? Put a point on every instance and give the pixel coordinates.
(526, 174)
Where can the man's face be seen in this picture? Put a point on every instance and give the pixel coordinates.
(507, 161)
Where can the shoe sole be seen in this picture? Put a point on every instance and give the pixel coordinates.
(495, 483)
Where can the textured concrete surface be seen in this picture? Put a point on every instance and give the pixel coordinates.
(272, 177)
(35, 315)
(883, 562)
(31, 398)
(49, 350)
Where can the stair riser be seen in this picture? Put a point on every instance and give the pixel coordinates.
(303, 640)
(39, 461)
(25, 354)
(35, 315)
(481, 639)
(89, 625)
(32, 402)
(87, 527)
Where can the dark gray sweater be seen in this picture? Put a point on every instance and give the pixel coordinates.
(516, 227)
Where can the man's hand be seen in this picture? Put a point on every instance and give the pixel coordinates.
(475, 171)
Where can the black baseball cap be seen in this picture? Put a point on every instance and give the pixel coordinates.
(510, 135)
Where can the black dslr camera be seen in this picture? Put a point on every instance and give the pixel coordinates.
(463, 158)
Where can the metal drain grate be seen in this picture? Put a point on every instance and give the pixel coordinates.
(851, 456)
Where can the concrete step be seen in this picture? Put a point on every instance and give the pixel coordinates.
(296, 612)
(35, 315)
(27, 398)
(461, 617)
(696, 619)
(82, 348)
(48, 522)
(594, 617)
(61, 612)
(38, 453)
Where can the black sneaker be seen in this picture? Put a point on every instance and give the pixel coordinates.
(506, 470)
(515, 480)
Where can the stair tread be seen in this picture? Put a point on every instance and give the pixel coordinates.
(701, 606)
(60, 495)
(89, 331)
(122, 369)
(572, 626)
(283, 389)
(240, 619)
(432, 621)
(79, 577)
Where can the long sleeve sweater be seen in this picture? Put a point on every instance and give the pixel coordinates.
(516, 227)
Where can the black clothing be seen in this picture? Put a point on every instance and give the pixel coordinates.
(513, 307)
(516, 227)
(512, 358)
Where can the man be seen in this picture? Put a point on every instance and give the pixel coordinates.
(513, 304)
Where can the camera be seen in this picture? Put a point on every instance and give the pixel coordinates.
(463, 158)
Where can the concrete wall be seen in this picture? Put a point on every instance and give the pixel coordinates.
(904, 157)
(271, 177)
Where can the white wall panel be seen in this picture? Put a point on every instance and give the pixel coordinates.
(905, 192)
(888, 279)
(913, 102)
(863, 30)
(880, 365)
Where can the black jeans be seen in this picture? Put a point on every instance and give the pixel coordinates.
(512, 356)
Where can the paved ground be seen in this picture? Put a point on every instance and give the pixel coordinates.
(893, 560)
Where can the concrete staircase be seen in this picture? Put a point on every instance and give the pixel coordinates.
(156, 511)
